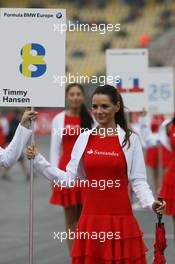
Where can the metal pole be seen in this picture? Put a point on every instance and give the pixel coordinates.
(160, 157)
(31, 199)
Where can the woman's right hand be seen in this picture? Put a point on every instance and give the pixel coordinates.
(159, 206)
(31, 152)
(28, 117)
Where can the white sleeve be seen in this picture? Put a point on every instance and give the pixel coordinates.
(55, 147)
(46, 169)
(52, 173)
(138, 179)
(150, 139)
(11, 154)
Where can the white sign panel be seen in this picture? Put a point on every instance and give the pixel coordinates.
(161, 90)
(131, 65)
(32, 53)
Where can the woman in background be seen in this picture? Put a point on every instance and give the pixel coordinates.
(156, 156)
(166, 137)
(65, 131)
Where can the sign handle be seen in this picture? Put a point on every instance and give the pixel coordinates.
(160, 156)
(31, 202)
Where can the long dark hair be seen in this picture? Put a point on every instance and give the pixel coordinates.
(120, 118)
(86, 120)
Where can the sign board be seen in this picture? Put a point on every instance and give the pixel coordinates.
(32, 55)
(161, 90)
(131, 66)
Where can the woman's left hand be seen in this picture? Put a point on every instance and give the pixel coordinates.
(159, 206)
(31, 152)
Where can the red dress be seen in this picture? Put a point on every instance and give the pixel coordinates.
(107, 211)
(168, 184)
(152, 154)
(74, 195)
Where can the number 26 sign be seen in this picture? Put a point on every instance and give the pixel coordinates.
(161, 90)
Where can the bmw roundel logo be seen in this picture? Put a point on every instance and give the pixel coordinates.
(59, 15)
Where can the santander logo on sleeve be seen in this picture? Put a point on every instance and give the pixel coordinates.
(106, 153)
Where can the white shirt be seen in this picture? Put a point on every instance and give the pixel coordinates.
(154, 139)
(56, 137)
(136, 170)
(11, 154)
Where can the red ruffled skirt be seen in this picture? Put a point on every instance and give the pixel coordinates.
(152, 157)
(121, 244)
(168, 188)
(67, 197)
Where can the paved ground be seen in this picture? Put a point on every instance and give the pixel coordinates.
(48, 219)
